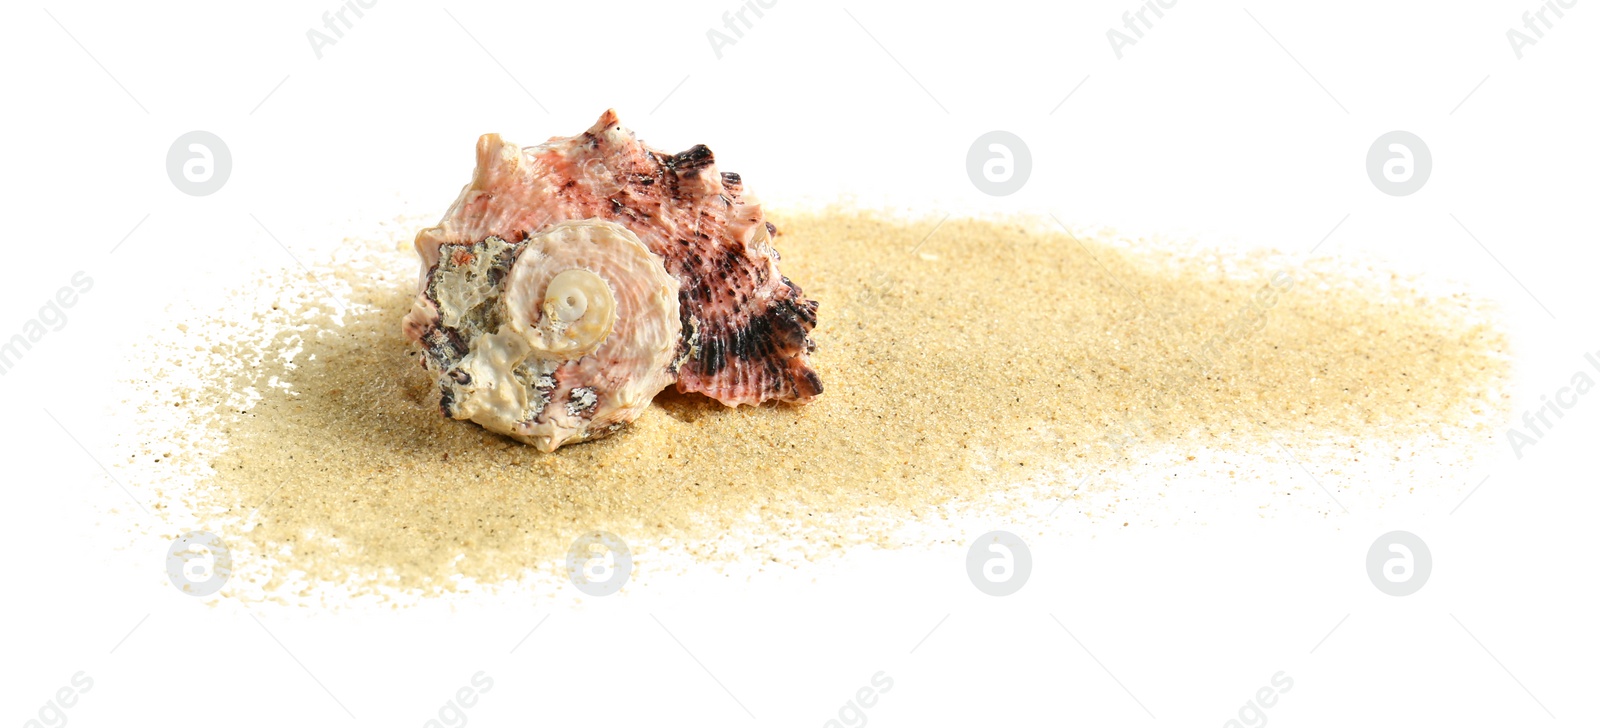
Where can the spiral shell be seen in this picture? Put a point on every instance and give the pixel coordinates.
(563, 337)
(746, 327)
(530, 336)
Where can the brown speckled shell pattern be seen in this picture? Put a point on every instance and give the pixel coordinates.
(746, 327)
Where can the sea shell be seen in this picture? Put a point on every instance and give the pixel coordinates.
(559, 337)
(744, 328)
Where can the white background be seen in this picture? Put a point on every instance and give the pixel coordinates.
(1208, 126)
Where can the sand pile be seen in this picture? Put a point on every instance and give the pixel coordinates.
(985, 355)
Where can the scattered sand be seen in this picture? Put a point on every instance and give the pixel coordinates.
(988, 355)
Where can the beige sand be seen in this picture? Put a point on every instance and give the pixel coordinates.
(994, 353)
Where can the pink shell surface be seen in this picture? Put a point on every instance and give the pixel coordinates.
(746, 327)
